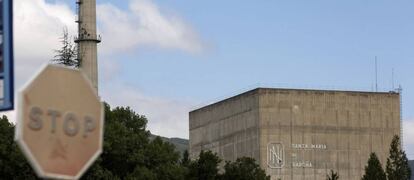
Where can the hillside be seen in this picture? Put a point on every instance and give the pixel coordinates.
(180, 144)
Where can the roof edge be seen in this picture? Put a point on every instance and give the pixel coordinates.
(258, 89)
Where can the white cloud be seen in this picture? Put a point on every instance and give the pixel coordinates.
(38, 26)
(144, 25)
(108, 69)
(11, 115)
(408, 139)
(166, 117)
(408, 131)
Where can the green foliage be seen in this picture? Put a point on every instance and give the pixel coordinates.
(332, 176)
(244, 168)
(163, 160)
(185, 161)
(141, 173)
(67, 54)
(96, 171)
(129, 154)
(12, 162)
(205, 167)
(374, 170)
(397, 167)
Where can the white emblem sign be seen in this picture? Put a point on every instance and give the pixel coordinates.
(275, 155)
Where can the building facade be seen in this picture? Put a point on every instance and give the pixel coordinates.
(299, 134)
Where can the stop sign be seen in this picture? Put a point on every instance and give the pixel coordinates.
(60, 123)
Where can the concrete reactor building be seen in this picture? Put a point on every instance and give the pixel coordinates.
(299, 134)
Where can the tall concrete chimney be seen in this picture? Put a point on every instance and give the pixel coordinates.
(87, 40)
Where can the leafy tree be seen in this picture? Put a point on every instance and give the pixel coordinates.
(332, 176)
(13, 164)
(185, 164)
(205, 167)
(244, 168)
(141, 172)
(397, 167)
(67, 54)
(163, 160)
(128, 152)
(185, 161)
(374, 170)
(96, 171)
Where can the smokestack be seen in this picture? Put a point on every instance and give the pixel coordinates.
(87, 40)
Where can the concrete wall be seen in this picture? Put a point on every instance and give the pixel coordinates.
(343, 127)
(229, 128)
(318, 130)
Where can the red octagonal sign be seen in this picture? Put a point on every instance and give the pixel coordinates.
(60, 123)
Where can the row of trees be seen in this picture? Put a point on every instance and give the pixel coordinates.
(397, 167)
(206, 167)
(128, 153)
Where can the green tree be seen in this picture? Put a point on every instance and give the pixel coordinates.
(163, 160)
(244, 168)
(13, 164)
(67, 54)
(185, 161)
(332, 176)
(397, 167)
(128, 152)
(185, 164)
(374, 170)
(205, 167)
(96, 171)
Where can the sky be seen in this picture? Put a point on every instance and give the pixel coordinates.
(166, 58)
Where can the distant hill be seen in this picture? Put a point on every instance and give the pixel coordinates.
(411, 163)
(180, 144)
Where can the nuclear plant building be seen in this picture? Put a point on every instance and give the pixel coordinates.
(299, 134)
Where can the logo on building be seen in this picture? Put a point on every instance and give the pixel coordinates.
(275, 155)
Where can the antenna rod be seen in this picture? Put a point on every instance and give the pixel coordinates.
(392, 79)
(376, 75)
